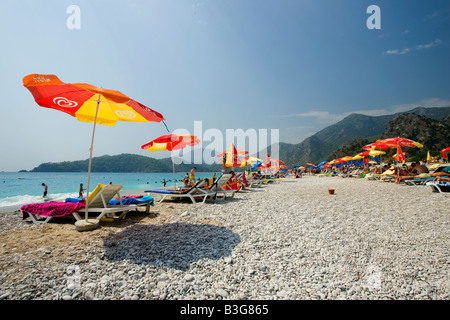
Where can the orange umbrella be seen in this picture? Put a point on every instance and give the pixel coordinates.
(87, 103)
(171, 142)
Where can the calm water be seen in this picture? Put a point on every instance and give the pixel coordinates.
(17, 189)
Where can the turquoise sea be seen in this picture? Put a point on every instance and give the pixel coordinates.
(20, 188)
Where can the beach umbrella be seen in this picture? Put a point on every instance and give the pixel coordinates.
(376, 145)
(268, 163)
(249, 160)
(374, 152)
(399, 156)
(398, 142)
(364, 154)
(275, 163)
(238, 152)
(87, 103)
(395, 155)
(231, 158)
(171, 142)
(256, 165)
(322, 163)
(336, 161)
(346, 159)
(444, 153)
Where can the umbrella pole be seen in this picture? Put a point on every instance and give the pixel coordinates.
(90, 161)
(173, 167)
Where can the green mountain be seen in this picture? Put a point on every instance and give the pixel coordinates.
(123, 163)
(320, 146)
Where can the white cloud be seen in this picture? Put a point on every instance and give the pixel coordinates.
(429, 45)
(434, 43)
(398, 51)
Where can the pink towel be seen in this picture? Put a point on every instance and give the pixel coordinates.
(53, 208)
(244, 179)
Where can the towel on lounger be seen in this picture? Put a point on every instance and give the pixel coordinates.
(53, 208)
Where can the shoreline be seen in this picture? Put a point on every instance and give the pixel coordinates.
(288, 241)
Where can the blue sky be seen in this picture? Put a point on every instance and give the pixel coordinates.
(297, 66)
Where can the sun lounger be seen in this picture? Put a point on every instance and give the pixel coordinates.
(268, 179)
(98, 203)
(373, 176)
(417, 181)
(254, 182)
(197, 191)
(146, 201)
(218, 187)
(439, 186)
(99, 199)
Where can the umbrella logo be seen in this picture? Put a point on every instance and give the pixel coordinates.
(64, 102)
(125, 114)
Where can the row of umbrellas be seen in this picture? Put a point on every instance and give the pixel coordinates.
(93, 104)
(372, 150)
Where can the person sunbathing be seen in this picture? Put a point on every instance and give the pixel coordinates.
(444, 172)
(440, 178)
(380, 170)
(417, 171)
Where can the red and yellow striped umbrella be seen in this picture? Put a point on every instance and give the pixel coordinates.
(400, 142)
(87, 103)
(171, 142)
(80, 100)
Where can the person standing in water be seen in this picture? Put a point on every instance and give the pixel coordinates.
(80, 194)
(45, 190)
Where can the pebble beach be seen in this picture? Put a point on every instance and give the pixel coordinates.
(371, 240)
